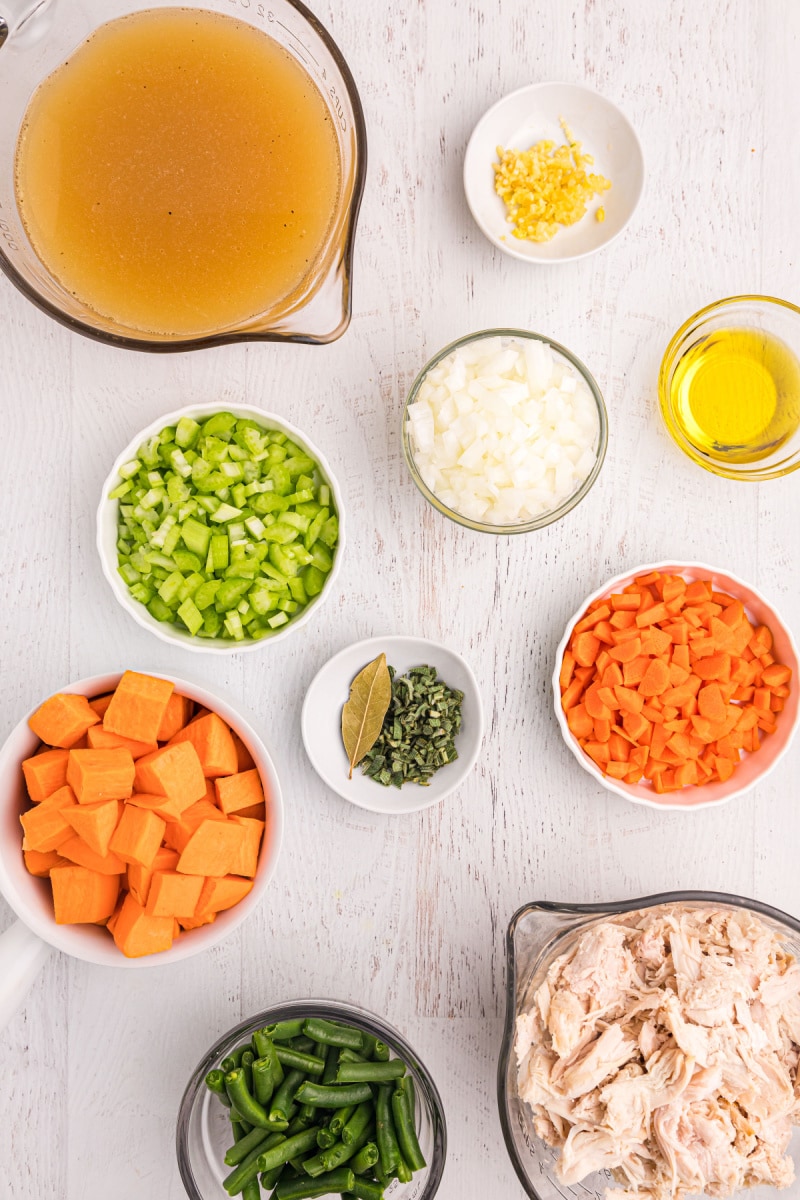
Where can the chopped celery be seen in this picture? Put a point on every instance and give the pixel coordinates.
(225, 529)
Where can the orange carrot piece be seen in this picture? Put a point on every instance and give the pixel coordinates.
(177, 714)
(599, 752)
(625, 601)
(678, 633)
(760, 643)
(606, 696)
(137, 934)
(626, 651)
(628, 700)
(171, 771)
(656, 679)
(772, 676)
(761, 699)
(95, 823)
(212, 848)
(698, 591)
(99, 704)
(139, 878)
(173, 895)
(601, 613)
(715, 666)
(63, 720)
(96, 775)
(583, 674)
(585, 648)
(710, 702)
(623, 620)
(611, 676)
(235, 792)
(246, 861)
(572, 695)
(677, 675)
(82, 896)
(602, 730)
(100, 739)
(658, 612)
(619, 748)
(616, 770)
(41, 862)
(724, 768)
(178, 832)
(633, 671)
(777, 703)
(567, 667)
(169, 808)
(196, 922)
(656, 642)
(45, 827)
(45, 773)
(77, 851)
(637, 726)
(579, 721)
(219, 894)
(686, 774)
(138, 836)
(138, 706)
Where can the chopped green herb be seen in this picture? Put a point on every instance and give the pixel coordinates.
(418, 732)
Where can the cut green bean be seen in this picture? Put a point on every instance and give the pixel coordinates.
(403, 1171)
(299, 1061)
(364, 1189)
(388, 1147)
(381, 1053)
(305, 1045)
(248, 1168)
(365, 1159)
(331, 1064)
(260, 1040)
(326, 1139)
(301, 1143)
(239, 1131)
(251, 1190)
(341, 1180)
(240, 1150)
(284, 1031)
(215, 1082)
(357, 1122)
(242, 1100)
(333, 1096)
(346, 1055)
(239, 1119)
(284, 1096)
(336, 1155)
(234, 1059)
(248, 1058)
(332, 1034)
(268, 1179)
(340, 1118)
(263, 1081)
(404, 1128)
(370, 1072)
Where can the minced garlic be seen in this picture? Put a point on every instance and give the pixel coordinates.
(546, 187)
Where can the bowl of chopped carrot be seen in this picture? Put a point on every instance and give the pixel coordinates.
(675, 686)
(142, 818)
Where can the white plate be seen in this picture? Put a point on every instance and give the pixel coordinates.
(527, 116)
(321, 722)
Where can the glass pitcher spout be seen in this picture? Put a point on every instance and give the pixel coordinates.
(25, 21)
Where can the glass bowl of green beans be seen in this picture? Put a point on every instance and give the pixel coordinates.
(311, 1098)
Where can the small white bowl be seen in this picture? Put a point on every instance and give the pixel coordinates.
(753, 767)
(30, 897)
(525, 117)
(108, 513)
(321, 722)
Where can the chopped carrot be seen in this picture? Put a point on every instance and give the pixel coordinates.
(78, 851)
(99, 704)
(219, 894)
(171, 771)
(95, 823)
(136, 933)
(41, 862)
(45, 826)
(96, 775)
(45, 773)
(625, 601)
(138, 836)
(173, 895)
(178, 832)
(625, 652)
(99, 738)
(169, 808)
(572, 695)
(63, 720)
(246, 861)
(177, 714)
(579, 721)
(567, 667)
(212, 849)
(138, 706)
(760, 643)
(235, 792)
(139, 878)
(656, 679)
(82, 896)
(593, 618)
(585, 648)
(775, 675)
(710, 702)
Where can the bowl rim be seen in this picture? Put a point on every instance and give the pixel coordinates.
(467, 762)
(545, 519)
(165, 631)
(468, 172)
(670, 359)
(46, 928)
(618, 787)
(613, 908)
(344, 1011)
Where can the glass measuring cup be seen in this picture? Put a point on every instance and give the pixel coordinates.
(36, 36)
(537, 934)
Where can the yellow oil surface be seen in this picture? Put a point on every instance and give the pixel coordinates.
(179, 173)
(736, 395)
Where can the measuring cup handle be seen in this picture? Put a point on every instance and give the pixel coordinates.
(22, 955)
(25, 20)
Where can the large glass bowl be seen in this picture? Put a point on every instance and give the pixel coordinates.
(543, 519)
(537, 934)
(203, 1131)
(764, 314)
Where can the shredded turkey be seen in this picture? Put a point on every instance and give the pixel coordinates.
(663, 1047)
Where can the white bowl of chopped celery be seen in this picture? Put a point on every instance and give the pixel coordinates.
(578, 202)
(220, 529)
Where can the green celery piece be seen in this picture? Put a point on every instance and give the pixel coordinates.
(255, 526)
(196, 536)
(152, 498)
(324, 496)
(212, 622)
(232, 471)
(321, 556)
(160, 560)
(279, 559)
(278, 620)
(120, 490)
(170, 587)
(295, 519)
(129, 573)
(177, 490)
(190, 616)
(225, 512)
(243, 609)
(215, 450)
(222, 424)
(186, 561)
(302, 496)
(206, 594)
(281, 533)
(230, 593)
(177, 460)
(281, 479)
(277, 437)
(219, 551)
(148, 453)
(142, 592)
(129, 469)
(269, 502)
(298, 554)
(259, 551)
(160, 535)
(288, 606)
(238, 496)
(299, 464)
(186, 432)
(275, 455)
(165, 452)
(190, 585)
(233, 624)
(208, 504)
(236, 453)
(200, 469)
(245, 569)
(158, 609)
(313, 580)
(236, 531)
(297, 589)
(271, 571)
(171, 540)
(315, 528)
(309, 508)
(262, 600)
(258, 628)
(330, 532)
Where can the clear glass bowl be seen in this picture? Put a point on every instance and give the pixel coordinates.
(537, 934)
(36, 36)
(203, 1130)
(545, 518)
(763, 314)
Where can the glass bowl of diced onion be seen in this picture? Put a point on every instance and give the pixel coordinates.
(504, 431)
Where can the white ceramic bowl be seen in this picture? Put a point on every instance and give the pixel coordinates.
(527, 116)
(108, 513)
(30, 897)
(753, 767)
(321, 722)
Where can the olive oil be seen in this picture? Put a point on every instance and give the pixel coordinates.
(179, 174)
(736, 395)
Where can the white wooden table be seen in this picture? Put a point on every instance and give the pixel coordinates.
(408, 915)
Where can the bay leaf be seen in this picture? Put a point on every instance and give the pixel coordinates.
(362, 715)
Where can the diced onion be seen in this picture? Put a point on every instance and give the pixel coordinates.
(503, 431)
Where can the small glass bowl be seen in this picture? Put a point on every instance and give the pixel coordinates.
(763, 314)
(537, 934)
(203, 1130)
(543, 519)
